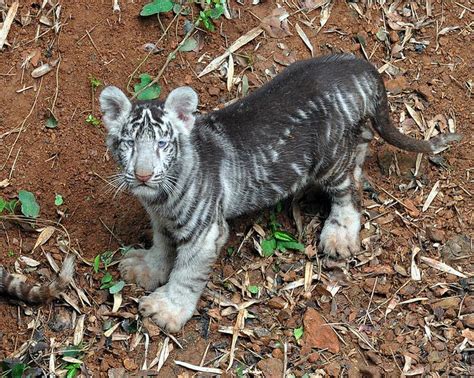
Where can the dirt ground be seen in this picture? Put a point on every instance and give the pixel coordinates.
(396, 310)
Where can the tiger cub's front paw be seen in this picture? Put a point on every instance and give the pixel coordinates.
(169, 311)
(146, 268)
(340, 239)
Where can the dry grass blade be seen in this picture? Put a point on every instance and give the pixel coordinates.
(299, 283)
(238, 326)
(230, 73)
(198, 368)
(431, 196)
(305, 39)
(239, 42)
(162, 355)
(117, 301)
(8, 23)
(441, 266)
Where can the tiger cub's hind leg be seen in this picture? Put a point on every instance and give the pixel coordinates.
(340, 234)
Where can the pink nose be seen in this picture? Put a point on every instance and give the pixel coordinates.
(143, 178)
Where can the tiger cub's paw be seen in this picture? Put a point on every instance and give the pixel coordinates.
(170, 312)
(146, 268)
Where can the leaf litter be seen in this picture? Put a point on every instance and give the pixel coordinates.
(355, 303)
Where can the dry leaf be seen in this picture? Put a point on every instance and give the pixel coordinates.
(415, 271)
(44, 236)
(199, 368)
(313, 4)
(276, 24)
(442, 266)
(29, 261)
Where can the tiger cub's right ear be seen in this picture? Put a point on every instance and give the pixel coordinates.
(115, 107)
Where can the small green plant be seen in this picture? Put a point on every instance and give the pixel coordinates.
(150, 93)
(72, 370)
(11, 253)
(156, 7)
(107, 280)
(230, 251)
(253, 289)
(279, 240)
(92, 120)
(58, 200)
(13, 369)
(298, 333)
(213, 10)
(8, 206)
(95, 83)
(29, 206)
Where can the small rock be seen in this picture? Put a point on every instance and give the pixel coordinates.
(394, 37)
(447, 303)
(277, 303)
(468, 320)
(284, 315)
(397, 85)
(455, 247)
(313, 357)
(261, 332)
(214, 91)
(434, 234)
(317, 333)
(129, 364)
(277, 353)
(425, 91)
(271, 367)
(116, 373)
(374, 357)
(450, 333)
(61, 320)
(383, 286)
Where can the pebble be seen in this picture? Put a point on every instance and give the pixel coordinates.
(394, 37)
(277, 353)
(468, 320)
(214, 91)
(317, 333)
(271, 367)
(434, 234)
(277, 303)
(397, 85)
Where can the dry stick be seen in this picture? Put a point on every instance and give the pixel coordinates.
(56, 92)
(22, 126)
(130, 77)
(168, 60)
(8, 23)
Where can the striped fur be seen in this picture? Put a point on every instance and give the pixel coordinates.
(305, 127)
(16, 287)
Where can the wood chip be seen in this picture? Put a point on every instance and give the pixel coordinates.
(230, 73)
(415, 271)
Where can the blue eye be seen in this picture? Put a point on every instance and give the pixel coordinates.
(162, 143)
(130, 143)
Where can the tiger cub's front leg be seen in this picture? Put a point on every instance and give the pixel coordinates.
(173, 304)
(150, 268)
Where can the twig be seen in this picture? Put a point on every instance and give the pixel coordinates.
(53, 104)
(170, 57)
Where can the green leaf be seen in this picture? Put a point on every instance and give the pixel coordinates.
(51, 122)
(117, 287)
(106, 281)
(58, 200)
(10, 206)
(190, 44)
(268, 247)
(298, 333)
(254, 289)
(18, 370)
(216, 12)
(155, 7)
(3, 204)
(72, 351)
(29, 206)
(96, 264)
(151, 92)
(284, 236)
(290, 245)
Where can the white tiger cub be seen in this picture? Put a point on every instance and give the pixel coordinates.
(305, 127)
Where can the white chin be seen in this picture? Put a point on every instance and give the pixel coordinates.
(145, 191)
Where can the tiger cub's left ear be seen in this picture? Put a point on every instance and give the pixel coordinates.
(183, 102)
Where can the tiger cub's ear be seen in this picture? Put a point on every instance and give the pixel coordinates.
(115, 107)
(183, 102)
